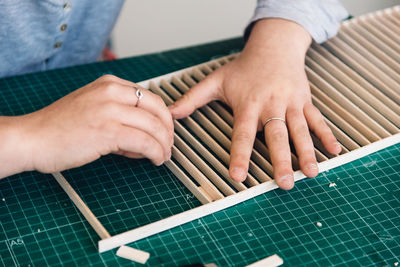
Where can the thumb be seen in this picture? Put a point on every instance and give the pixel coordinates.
(199, 95)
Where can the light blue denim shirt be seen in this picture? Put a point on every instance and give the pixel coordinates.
(37, 35)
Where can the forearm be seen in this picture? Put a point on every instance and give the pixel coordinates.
(13, 146)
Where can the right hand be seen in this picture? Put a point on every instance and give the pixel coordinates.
(95, 120)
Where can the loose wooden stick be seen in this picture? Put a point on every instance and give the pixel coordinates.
(356, 83)
(86, 212)
(375, 129)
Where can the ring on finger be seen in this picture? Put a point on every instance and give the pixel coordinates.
(139, 95)
(273, 118)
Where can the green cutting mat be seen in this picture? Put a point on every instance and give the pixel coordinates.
(40, 226)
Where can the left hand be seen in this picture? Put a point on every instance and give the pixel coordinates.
(267, 80)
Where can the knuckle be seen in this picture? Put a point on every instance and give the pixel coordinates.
(242, 137)
(278, 134)
(108, 78)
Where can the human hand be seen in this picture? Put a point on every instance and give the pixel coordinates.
(95, 120)
(267, 80)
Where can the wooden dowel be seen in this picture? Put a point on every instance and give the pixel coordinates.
(196, 174)
(82, 207)
(373, 48)
(342, 137)
(366, 73)
(355, 82)
(339, 121)
(225, 128)
(389, 86)
(373, 39)
(335, 90)
(372, 59)
(385, 26)
(196, 144)
(203, 166)
(199, 194)
(372, 29)
(344, 114)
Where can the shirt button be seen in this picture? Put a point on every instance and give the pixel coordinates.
(63, 27)
(67, 6)
(57, 45)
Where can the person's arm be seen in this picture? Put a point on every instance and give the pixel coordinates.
(267, 80)
(100, 118)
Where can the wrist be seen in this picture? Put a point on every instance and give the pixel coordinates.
(14, 148)
(275, 35)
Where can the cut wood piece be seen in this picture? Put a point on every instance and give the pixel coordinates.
(374, 130)
(366, 73)
(356, 83)
(271, 261)
(386, 84)
(203, 166)
(133, 254)
(204, 210)
(86, 212)
(202, 196)
(377, 105)
(196, 174)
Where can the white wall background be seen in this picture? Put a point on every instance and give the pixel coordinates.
(156, 25)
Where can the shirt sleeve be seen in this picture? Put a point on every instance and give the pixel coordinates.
(320, 18)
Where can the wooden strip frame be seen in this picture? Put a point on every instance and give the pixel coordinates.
(210, 204)
(207, 209)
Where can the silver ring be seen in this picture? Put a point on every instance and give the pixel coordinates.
(139, 95)
(273, 118)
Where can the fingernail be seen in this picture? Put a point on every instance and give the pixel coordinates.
(312, 166)
(286, 181)
(238, 174)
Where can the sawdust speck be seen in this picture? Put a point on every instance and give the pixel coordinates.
(319, 224)
(332, 184)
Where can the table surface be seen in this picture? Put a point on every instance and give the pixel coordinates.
(354, 222)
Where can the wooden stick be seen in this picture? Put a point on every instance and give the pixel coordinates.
(366, 68)
(86, 212)
(196, 213)
(373, 39)
(196, 144)
(203, 166)
(339, 121)
(372, 48)
(372, 59)
(202, 196)
(374, 128)
(341, 136)
(385, 26)
(366, 73)
(355, 82)
(197, 175)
